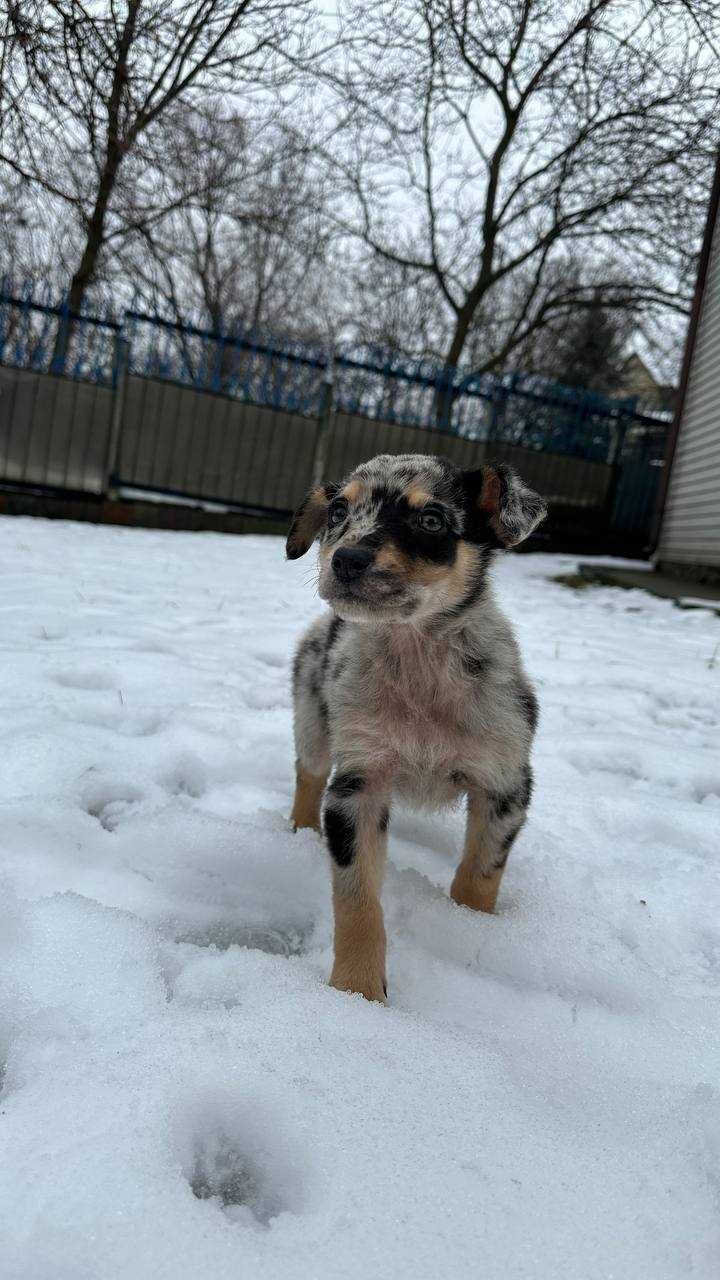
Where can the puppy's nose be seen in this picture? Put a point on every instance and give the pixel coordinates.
(350, 563)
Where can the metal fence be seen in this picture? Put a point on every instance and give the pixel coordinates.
(90, 403)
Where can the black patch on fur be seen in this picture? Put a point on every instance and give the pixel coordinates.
(475, 665)
(346, 784)
(518, 799)
(459, 779)
(383, 825)
(305, 649)
(505, 847)
(340, 835)
(324, 712)
(504, 805)
(477, 522)
(527, 786)
(333, 631)
(528, 705)
(397, 520)
(336, 626)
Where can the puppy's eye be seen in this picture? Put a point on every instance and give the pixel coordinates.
(337, 513)
(431, 520)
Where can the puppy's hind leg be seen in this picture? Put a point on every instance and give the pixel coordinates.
(493, 823)
(309, 790)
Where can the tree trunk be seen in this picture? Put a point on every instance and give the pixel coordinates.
(446, 389)
(114, 152)
(88, 263)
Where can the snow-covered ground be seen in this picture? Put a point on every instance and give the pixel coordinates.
(184, 1097)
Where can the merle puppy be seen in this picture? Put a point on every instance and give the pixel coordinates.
(413, 684)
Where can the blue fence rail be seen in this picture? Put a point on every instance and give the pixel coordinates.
(30, 325)
(38, 332)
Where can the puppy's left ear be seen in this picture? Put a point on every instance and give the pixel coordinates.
(309, 520)
(511, 510)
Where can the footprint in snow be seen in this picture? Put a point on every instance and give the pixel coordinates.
(187, 777)
(224, 1173)
(275, 940)
(233, 1165)
(110, 803)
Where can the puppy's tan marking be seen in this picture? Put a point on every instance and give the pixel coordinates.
(477, 879)
(359, 930)
(477, 892)
(455, 579)
(308, 796)
(416, 496)
(491, 493)
(390, 558)
(359, 944)
(353, 491)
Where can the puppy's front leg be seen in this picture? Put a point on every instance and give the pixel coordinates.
(493, 822)
(355, 820)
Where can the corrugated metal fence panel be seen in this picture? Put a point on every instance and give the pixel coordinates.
(53, 430)
(355, 438)
(184, 441)
(56, 431)
(560, 479)
(690, 532)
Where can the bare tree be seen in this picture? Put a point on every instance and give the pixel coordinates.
(485, 146)
(87, 87)
(243, 242)
(586, 348)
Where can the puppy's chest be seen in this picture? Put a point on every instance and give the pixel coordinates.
(413, 701)
(420, 694)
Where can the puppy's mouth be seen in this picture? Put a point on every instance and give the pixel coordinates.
(375, 595)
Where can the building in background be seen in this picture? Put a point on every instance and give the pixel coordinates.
(689, 535)
(636, 379)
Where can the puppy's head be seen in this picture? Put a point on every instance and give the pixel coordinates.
(406, 537)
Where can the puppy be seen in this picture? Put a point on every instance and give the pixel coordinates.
(412, 685)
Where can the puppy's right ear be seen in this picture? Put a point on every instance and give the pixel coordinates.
(309, 520)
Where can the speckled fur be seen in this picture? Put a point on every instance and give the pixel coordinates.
(413, 685)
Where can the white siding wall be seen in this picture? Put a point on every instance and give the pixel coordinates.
(690, 531)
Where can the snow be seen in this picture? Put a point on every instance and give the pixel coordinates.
(183, 1094)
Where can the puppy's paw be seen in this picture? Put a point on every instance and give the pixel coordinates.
(477, 893)
(371, 986)
(296, 826)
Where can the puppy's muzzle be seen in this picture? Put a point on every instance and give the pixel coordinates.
(350, 563)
